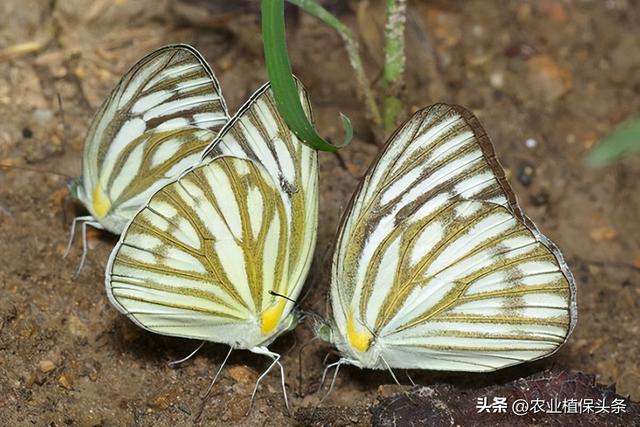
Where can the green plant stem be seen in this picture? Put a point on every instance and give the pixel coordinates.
(353, 52)
(283, 84)
(394, 61)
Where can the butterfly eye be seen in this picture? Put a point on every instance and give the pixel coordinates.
(74, 187)
(324, 332)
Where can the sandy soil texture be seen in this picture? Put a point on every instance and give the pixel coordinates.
(546, 78)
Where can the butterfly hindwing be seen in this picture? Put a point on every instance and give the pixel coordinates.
(436, 267)
(156, 121)
(206, 254)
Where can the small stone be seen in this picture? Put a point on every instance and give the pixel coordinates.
(162, 402)
(238, 408)
(531, 143)
(525, 173)
(548, 78)
(46, 366)
(42, 116)
(77, 327)
(497, 80)
(540, 199)
(242, 374)
(66, 381)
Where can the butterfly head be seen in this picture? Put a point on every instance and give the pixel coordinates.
(324, 330)
(75, 188)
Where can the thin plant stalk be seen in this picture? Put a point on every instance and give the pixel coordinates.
(394, 61)
(352, 46)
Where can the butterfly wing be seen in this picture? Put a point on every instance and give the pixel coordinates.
(201, 259)
(156, 121)
(261, 134)
(436, 267)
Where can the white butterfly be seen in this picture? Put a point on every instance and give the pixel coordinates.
(220, 253)
(155, 123)
(436, 267)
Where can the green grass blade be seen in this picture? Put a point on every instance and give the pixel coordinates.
(623, 141)
(283, 84)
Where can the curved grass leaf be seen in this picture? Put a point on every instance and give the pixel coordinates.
(623, 141)
(283, 84)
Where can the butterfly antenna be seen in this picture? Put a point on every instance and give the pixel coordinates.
(184, 359)
(302, 347)
(215, 378)
(25, 168)
(275, 294)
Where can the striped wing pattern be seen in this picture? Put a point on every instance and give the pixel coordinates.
(436, 267)
(159, 118)
(262, 135)
(200, 259)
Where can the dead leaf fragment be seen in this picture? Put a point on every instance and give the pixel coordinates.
(548, 78)
(603, 233)
(66, 381)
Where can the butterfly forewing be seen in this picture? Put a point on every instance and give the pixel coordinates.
(136, 128)
(436, 262)
(205, 256)
(261, 134)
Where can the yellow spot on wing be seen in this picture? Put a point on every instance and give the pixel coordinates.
(271, 316)
(360, 340)
(101, 203)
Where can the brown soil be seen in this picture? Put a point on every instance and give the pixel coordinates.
(560, 73)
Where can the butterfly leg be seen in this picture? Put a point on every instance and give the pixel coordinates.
(215, 378)
(390, 371)
(72, 236)
(85, 248)
(184, 359)
(276, 361)
(335, 374)
(410, 379)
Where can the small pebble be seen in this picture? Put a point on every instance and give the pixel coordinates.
(42, 116)
(46, 366)
(525, 173)
(65, 381)
(497, 80)
(531, 143)
(242, 374)
(540, 199)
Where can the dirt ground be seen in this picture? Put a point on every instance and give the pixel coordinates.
(547, 79)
